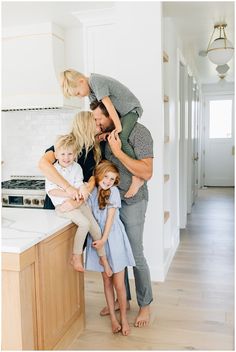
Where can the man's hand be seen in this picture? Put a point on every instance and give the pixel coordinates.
(73, 193)
(115, 143)
(98, 244)
(69, 205)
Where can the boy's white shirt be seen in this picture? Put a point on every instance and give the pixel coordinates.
(73, 174)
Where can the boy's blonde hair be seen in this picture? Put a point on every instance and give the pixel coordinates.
(69, 81)
(84, 131)
(66, 141)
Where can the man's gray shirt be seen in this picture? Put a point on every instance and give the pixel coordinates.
(122, 98)
(141, 140)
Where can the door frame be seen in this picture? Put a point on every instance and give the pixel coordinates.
(182, 140)
(205, 97)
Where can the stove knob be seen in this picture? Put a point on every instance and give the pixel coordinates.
(5, 200)
(27, 201)
(42, 201)
(35, 201)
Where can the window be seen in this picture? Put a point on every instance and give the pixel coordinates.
(220, 119)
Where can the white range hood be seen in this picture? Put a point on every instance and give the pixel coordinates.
(32, 59)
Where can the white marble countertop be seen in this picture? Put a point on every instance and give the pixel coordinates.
(23, 228)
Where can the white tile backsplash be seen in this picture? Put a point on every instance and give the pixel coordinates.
(26, 135)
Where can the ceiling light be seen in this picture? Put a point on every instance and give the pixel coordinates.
(220, 50)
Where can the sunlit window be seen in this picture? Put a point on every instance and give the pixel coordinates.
(220, 119)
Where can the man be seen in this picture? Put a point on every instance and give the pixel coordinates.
(133, 209)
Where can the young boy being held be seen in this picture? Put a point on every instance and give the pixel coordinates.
(66, 207)
(118, 100)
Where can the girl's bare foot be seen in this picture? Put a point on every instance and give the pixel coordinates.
(115, 325)
(77, 262)
(103, 261)
(137, 182)
(125, 327)
(105, 310)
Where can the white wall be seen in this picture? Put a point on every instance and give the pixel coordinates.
(139, 64)
(170, 44)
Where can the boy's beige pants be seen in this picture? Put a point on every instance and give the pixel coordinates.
(86, 222)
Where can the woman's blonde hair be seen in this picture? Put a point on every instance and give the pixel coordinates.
(84, 131)
(66, 141)
(99, 173)
(69, 81)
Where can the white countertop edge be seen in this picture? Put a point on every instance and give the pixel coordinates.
(21, 243)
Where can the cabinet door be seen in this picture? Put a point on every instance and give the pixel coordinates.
(19, 325)
(61, 288)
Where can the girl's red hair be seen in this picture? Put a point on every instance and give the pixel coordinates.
(99, 173)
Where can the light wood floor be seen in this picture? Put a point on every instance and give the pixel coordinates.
(194, 307)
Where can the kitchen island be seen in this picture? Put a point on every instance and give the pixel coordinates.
(42, 295)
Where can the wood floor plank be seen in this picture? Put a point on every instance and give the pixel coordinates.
(194, 307)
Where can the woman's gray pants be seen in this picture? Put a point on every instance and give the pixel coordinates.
(133, 217)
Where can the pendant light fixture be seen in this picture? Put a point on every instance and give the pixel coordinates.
(220, 50)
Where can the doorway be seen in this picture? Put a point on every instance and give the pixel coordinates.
(219, 141)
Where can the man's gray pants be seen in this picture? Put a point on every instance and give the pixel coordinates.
(133, 218)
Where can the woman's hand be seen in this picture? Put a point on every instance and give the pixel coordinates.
(73, 193)
(98, 244)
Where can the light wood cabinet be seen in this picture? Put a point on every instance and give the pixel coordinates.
(42, 295)
(19, 319)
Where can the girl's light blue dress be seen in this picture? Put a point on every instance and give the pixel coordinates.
(117, 247)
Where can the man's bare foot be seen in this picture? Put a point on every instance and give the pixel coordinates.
(143, 317)
(137, 182)
(125, 327)
(103, 261)
(77, 262)
(105, 310)
(115, 326)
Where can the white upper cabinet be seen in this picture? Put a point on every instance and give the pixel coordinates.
(32, 59)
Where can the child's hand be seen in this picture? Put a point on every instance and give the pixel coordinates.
(98, 244)
(102, 136)
(83, 192)
(118, 129)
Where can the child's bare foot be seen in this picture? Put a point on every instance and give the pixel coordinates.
(137, 182)
(105, 310)
(115, 326)
(77, 262)
(125, 327)
(103, 261)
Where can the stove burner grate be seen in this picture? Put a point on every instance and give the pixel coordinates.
(23, 184)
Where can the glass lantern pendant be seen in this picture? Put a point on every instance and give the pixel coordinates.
(221, 50)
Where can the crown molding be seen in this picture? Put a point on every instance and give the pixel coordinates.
(96, 17)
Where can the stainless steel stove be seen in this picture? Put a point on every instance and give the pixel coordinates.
(23, 191)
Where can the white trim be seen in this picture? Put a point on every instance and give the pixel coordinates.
(96, 17)
(183, 179)
(88, 20)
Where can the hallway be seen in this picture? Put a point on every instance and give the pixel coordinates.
(194, 307)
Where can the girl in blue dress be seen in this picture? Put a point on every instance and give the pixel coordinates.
(105, 203)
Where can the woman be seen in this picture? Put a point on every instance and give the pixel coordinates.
(89, 155)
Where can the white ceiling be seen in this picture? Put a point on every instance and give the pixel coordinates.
(194, 22)
(18, 13)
